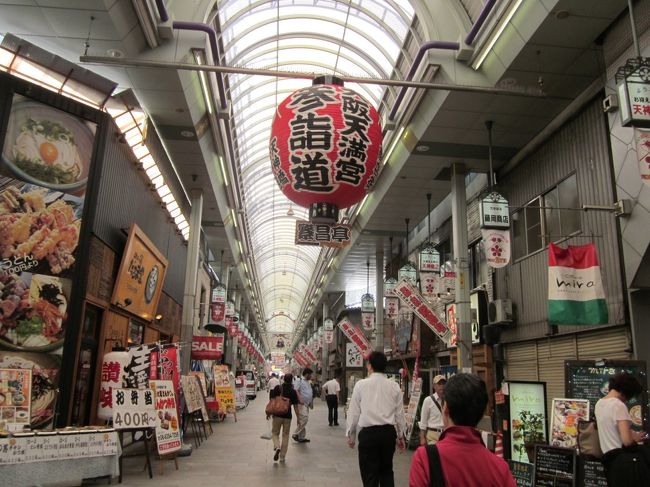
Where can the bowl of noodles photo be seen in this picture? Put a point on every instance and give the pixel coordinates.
(47, 147)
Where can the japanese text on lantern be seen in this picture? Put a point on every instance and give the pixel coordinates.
(354, 141)
(311, 139)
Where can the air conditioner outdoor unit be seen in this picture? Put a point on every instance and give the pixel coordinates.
(500, 312)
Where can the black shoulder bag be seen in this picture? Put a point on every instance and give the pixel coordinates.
(436, 479)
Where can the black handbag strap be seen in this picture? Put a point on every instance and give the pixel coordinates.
(436, 479)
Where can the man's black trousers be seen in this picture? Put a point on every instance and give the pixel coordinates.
(332, 409)
(376, 450)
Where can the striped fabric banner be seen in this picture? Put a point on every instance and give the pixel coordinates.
(575, 288)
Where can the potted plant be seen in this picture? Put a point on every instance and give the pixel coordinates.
(532, 432)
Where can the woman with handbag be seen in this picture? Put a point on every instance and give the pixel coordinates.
(282, 397)
(625, 461)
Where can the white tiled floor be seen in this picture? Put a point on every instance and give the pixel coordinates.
(235, 456)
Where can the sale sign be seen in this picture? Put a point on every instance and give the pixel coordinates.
(168, 433)
(412, 299)
(356, 336)
(207, 348)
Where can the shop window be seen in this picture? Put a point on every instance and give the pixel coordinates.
(550, 217)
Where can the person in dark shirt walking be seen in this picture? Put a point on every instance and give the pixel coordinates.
(283, 422)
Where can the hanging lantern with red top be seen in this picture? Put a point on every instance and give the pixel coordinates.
(325, 147)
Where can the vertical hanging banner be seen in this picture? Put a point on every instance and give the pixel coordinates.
(329, 336)
(356, 336)
(575, 288)
(413, 300)
(392, 307)
(164, 366)
(430, 284)
(368, 321)
(643, 153)
(497, 247)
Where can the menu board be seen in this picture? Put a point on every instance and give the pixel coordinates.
(194, 398)
(46, 161)
(527, 405)
(555, 467)
(15, 398)
(133, 409)
(522, 472)
(168, 433)
(586, 379)
(591, 473)
(412, 409)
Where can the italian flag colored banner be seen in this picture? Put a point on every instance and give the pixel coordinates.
(575, 288)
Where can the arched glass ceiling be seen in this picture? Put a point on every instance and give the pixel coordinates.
(347, 37)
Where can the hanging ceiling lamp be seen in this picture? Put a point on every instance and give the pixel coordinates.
(368, 304)
(408, 271)
(429, 257)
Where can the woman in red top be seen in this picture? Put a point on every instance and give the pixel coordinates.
(464, 460)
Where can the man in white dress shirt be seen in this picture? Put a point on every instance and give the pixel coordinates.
(273, 382)
(431, 415)
(377, 411)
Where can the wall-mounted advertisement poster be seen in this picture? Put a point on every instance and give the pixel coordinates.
(45, 164)
(527, 401)
(565, 415)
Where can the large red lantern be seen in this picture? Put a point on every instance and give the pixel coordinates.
(325, 146)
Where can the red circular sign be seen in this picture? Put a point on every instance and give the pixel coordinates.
(325, 146)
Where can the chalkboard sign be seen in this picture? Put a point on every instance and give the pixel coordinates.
(586, 379)
(522, 472)
(592, 473)
(555, 467)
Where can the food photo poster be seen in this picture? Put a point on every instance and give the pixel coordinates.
(565, 415)
(44, 166)
(527, 401)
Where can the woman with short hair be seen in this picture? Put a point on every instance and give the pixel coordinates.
(282, 422)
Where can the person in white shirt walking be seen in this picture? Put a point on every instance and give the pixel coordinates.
(306, 396)
(431, 415)
(377, 410)
(332, 388)
(273, 382)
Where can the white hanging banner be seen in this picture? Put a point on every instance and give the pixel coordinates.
(392, 307)
(643, 153)
(497, 247)
(329, 336)
(368, 321)
(429, 284)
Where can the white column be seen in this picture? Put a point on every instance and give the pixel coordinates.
(191, 271)
(459, 225)
(325, 357)
(379, 298)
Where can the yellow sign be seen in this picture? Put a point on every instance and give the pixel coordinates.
(141, 276)
(226, 398)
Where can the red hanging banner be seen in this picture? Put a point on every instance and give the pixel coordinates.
(356, 336)
(207, 348)
(413, 300)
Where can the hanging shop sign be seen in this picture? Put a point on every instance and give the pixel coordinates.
(430, 284)
(412, 299)
(325, 145)
(307, 352)
(207, 348)
(527, 402)
(230, 308)
(329, 336)
(407, 273)
(353, 357)
(368, 321)
(575, 289)
(497, 247)
(565, 414)
(15, 399)
(300, 359)
(168, 433)
(633, 88)
(389, 285)
(447, 286)
(218, 312)
(494, 212)
(391, 307)
(112, 375)
(280, 340)
(429, 259)
(219, 294)
(324, 234)
(643, 154)
(133, 408)
(141, 276)
(328, 324)
(367, 303)
(403, 330)
(451, 312)
(356, 336)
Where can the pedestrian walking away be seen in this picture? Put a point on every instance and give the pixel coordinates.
(306, 398)
(376, 411)
(332, 389)
(282, 422)
(273, 382)
(431, 414)
(446, 462)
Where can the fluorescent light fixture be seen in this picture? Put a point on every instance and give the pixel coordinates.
(241, 248)
(363, 202)
(234, 217)
(494, 37)
(393, 144)
(223, 171)
(204, 83)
